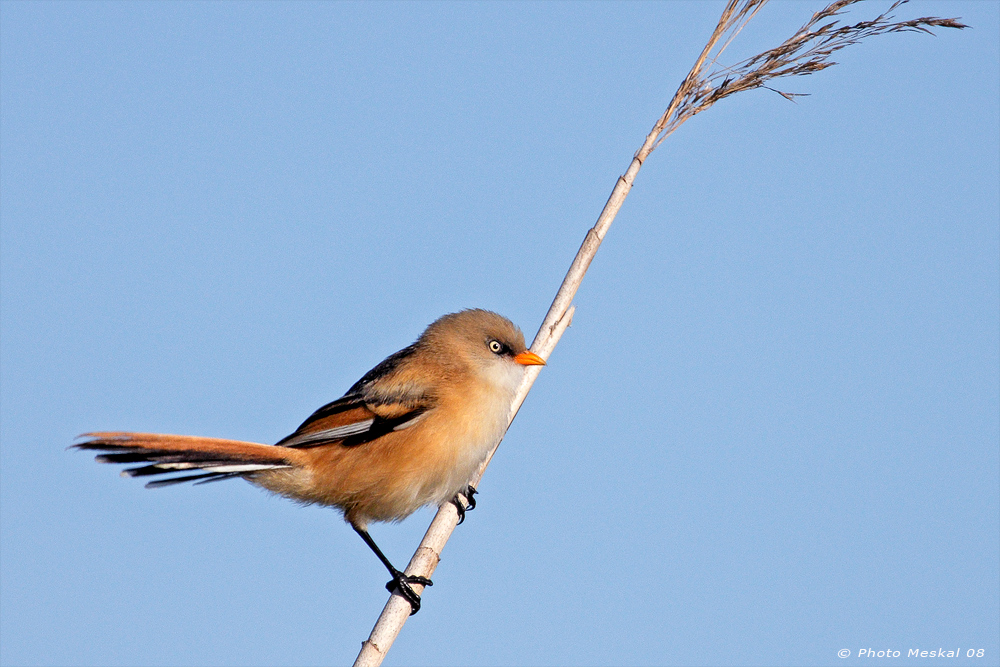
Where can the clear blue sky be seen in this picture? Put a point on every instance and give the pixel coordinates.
(771, 433)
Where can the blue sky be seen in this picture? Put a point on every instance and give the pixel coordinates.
(770, 434)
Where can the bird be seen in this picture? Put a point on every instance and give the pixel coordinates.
(412, 432)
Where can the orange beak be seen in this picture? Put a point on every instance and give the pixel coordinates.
(527, 358)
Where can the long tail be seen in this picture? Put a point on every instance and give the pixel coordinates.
(216, 459)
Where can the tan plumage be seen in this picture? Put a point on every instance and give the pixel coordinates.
(412, 432)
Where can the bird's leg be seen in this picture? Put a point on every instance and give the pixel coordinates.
(469, 504)
(400, 581)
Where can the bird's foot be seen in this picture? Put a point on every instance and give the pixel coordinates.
(465, 501)
(401, 582)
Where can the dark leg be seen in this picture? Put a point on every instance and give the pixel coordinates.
(400, 581)
(469, 496)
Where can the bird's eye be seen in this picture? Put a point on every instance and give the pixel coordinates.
(495, 347)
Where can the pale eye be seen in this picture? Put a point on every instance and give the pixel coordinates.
(495, 347)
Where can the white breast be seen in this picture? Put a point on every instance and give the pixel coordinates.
(485, 425)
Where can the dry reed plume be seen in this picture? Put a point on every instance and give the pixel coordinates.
(807, 51)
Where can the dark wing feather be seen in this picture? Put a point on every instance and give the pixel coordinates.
(364, 413)
(351, 426)
(384, 367)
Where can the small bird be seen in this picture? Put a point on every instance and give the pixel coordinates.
(412, 432)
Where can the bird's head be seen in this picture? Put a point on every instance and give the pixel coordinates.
(485, 343)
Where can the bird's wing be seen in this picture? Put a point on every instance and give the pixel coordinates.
(380, 402)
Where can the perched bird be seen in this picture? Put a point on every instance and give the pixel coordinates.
(412, 432)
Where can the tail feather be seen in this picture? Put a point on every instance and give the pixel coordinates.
(202, 479)
(235, 469)
(217, 459)
(214, 477)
